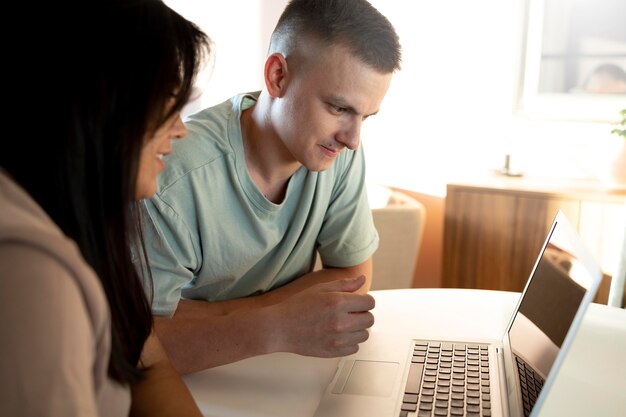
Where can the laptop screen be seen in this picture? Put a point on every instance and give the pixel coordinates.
(562, 277)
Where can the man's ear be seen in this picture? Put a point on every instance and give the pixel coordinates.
(276, 75)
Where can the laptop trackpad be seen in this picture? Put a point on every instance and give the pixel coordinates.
(366, 378)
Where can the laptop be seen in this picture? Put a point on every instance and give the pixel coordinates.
(459, 377)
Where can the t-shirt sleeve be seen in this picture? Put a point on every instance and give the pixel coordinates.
(348, 236)
(172, 255)
(48, 341)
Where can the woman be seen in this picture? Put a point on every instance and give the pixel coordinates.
(75, 323)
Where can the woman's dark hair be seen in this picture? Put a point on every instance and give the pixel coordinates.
(94, 85)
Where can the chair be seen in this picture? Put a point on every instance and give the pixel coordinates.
(399, 220)
(400, 226)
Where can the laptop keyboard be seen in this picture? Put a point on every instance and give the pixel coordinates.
(530, 384)
(447, 379)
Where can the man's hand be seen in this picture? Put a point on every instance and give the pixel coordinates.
(326, 320)
(317, 277)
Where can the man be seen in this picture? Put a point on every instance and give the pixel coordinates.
(606, 79)
(262, 183)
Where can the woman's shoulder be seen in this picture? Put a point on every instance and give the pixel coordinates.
(55, 317)
(32, 246)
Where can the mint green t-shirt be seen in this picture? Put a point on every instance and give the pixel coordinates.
(212, 235)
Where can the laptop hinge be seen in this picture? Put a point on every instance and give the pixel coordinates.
(503, 382)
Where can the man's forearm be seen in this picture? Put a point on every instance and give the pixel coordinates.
(201, 335)
(204, 334)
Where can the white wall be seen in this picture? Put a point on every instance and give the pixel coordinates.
(240, 31)
(447, 106)
(448, 113)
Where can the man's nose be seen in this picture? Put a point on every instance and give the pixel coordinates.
(350, 137)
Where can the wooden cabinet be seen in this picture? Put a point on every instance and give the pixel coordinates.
(495, 227)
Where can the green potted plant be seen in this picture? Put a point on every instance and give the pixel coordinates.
(621, 129)
(618, 170)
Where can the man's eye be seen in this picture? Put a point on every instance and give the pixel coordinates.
(337, 109)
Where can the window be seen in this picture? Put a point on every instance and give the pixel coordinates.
(575, 59)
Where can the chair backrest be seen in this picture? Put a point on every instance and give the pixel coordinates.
(400, 226)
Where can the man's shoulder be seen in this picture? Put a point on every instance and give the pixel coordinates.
(208, 128)
(208, 141)
(215, 119)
